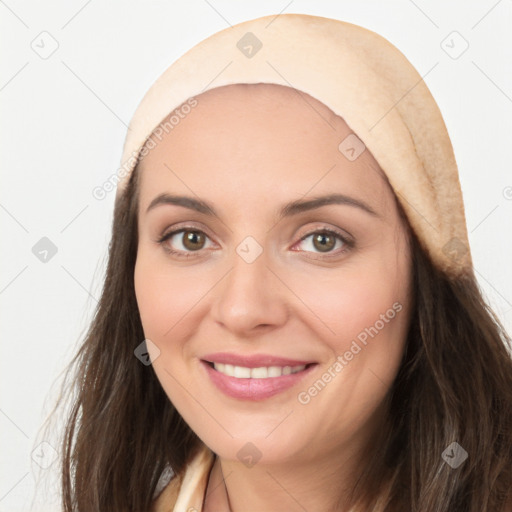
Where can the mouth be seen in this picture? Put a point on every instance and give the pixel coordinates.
(255, 383)
(261, 372)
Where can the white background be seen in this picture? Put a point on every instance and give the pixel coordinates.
(63, 124)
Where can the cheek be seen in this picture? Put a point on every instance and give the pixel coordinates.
(369, 314)
(361, 315)
(348, 302)
(164, 297)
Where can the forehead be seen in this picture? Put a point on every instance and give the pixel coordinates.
(258, 140)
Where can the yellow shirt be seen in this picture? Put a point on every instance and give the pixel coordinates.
(187, 494)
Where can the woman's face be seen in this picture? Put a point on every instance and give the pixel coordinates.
(272, 272)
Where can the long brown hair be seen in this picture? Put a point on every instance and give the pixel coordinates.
(454, 385)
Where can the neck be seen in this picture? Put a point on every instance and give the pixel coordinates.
(304, 483)
(232, 489)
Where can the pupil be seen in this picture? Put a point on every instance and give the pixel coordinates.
(321, 240)
(191, 239)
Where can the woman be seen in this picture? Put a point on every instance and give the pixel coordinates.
(290, 319)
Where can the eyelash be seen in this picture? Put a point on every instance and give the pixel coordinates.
(340, 236)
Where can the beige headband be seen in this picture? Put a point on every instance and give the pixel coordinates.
(362, 78)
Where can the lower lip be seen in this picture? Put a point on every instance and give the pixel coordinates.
(254, 389)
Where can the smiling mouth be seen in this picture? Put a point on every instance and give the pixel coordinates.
(262, 372)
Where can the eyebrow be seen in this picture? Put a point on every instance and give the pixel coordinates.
(289, 209)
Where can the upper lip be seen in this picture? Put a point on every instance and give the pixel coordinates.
(253, 361)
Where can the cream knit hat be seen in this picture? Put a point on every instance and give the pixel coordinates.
(362, 78)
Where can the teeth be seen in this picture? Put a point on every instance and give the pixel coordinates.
(263, 372)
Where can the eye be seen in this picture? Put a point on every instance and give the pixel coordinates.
(188, 239)
(325, 241)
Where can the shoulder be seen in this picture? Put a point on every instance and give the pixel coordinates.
(166, 497)
(188, 487)
(164, 479)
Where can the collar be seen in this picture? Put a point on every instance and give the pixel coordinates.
(187, 492)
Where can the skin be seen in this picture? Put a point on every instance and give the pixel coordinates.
(240, 144)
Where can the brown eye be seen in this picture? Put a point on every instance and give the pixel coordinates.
(193, 240)
(184, 242)
(324, 242)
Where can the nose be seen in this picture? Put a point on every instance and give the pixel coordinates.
(250, 298)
